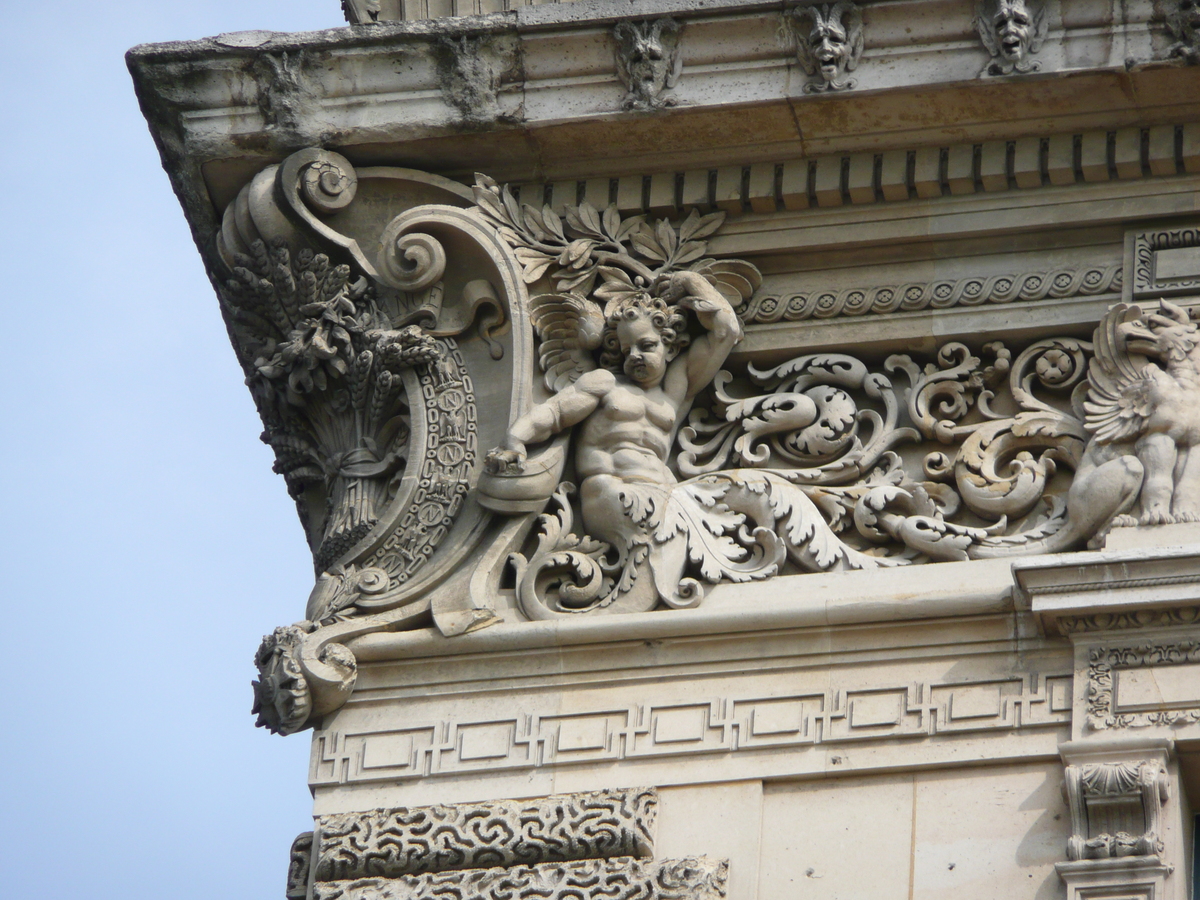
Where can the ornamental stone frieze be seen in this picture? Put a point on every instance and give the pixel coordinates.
(791, 409)
(616, 462)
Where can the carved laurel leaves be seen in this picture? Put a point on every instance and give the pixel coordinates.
(585, 244)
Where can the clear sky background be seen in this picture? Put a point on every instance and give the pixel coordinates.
(146, 544)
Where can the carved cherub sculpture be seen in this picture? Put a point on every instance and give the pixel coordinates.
(1183, 22)
(626, 411)
(648, 61)
(1011, 33)
(829, 43)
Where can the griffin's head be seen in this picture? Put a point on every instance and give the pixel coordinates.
(1168, 334)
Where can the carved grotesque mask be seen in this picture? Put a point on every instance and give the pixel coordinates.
(829, 46)
(1014, 29)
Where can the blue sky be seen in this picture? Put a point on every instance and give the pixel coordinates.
(147, 545)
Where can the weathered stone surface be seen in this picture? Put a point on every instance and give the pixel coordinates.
(620, 878)
(396, 842)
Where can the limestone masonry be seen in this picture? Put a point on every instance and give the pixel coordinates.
(745, 447)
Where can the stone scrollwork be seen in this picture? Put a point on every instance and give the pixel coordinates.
(829, 43)
(648, 61)
(362, 367)
(690, 474)
(1012, 31)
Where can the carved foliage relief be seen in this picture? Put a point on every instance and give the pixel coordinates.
(613, 409)
(826, 461)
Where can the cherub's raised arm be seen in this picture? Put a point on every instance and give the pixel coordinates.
(707, 353)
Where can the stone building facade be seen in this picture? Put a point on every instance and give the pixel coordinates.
(744, 446)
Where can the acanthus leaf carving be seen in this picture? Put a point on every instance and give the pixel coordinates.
(801, 465)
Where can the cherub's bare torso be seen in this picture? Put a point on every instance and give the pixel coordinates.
(628, 435)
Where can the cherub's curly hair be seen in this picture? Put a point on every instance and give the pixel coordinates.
(668, 321)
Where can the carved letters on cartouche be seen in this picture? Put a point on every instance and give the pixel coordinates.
(616, 457)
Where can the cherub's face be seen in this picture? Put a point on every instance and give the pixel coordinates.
(646, 355)
(1013, 23)
(828, 42)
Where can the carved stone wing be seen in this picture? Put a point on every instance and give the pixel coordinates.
(1118, 401)
(851, 18)
(569, 328)
(983, 24)
(1041, 26)
(806, 18)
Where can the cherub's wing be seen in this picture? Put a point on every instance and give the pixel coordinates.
(983, 24)
(570, 328)
(736, 279)
(1118, 399)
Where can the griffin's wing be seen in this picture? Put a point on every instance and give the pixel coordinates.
(1118, 398)
(570, 328)
(983, 24)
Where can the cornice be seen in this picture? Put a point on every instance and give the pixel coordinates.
(1111, 590)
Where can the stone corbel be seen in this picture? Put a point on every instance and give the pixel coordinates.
(1116, 790)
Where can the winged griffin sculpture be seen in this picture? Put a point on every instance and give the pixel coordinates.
(1143, 414)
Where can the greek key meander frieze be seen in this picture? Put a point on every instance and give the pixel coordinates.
(729, 725)
(390, 843)
(695, 878)
(1117, 696)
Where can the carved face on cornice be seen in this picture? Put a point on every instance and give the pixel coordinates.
(828, 40)
(1014, 29)
(829, 43)
(1183, 23)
